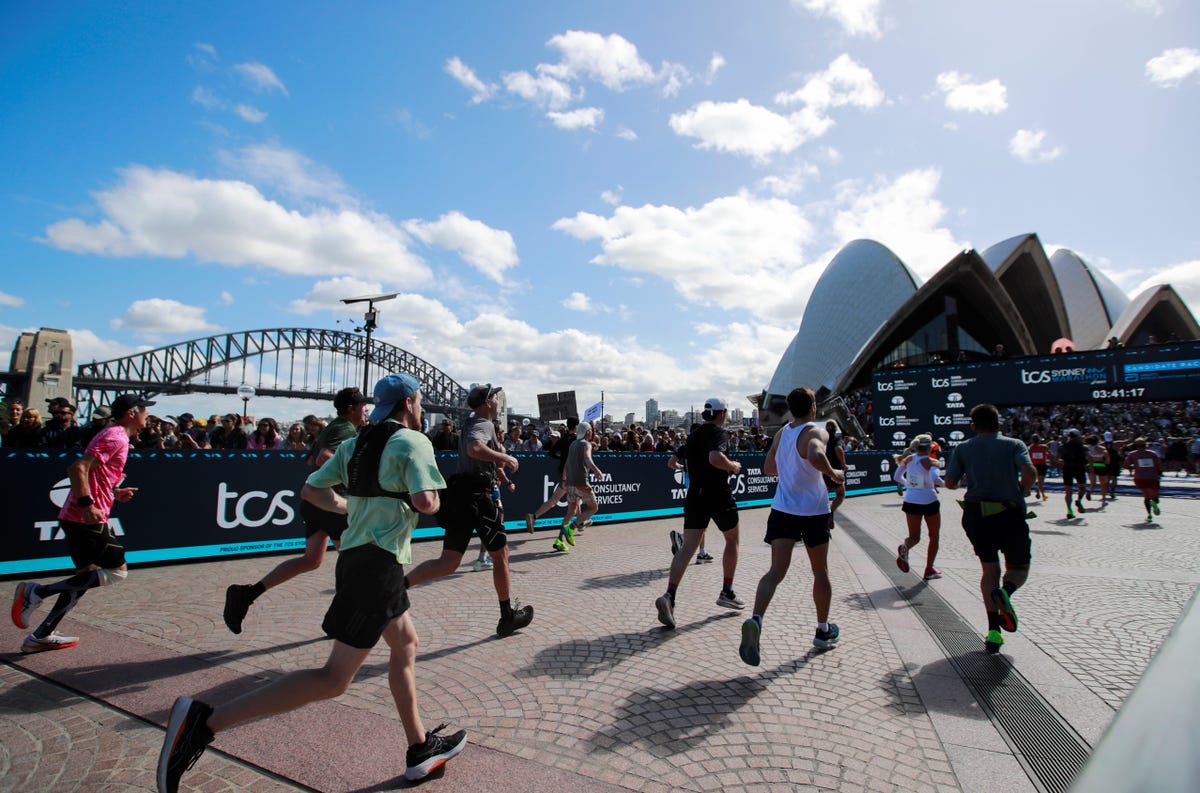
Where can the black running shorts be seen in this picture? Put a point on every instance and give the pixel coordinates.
(1003, 533)
(93, 544)
(932, 508)
(369, 594)
(1040, 468)
(699, 508)
(812, 530)
(318, 520)
(465, 510)
(1074, 473)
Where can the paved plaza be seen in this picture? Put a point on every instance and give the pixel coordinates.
(596, 696)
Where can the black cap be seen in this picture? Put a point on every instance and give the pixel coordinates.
(186, 417)
(60, 402)
(124, 402)
(481, 393)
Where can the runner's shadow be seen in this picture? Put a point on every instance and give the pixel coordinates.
(576, 658)
(1050, 531)
(625, 580)
(1156, 526)
(948, 687)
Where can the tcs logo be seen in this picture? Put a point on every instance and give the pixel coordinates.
(939, 382)
(1034, 377)
(884, 386)
(278, 511)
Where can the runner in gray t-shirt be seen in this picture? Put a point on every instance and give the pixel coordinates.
(581, 501)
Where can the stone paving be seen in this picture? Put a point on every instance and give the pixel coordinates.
(597, 692)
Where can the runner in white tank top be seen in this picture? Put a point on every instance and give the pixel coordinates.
(805, 493)
(920, 477)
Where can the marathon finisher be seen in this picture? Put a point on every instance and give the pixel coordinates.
(708, 499)
(390, 475)
(558, 452)
(1146, 467)
(1072, 459)
(469, 506)
(98, 558)
(999, 475)
(320, 526)
(581, 501)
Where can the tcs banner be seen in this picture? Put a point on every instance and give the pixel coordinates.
(203, 505)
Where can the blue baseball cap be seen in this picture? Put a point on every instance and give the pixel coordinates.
(392, 390)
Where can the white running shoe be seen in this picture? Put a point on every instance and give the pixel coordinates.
(55, 641)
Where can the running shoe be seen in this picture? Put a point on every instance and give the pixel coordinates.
(1030, 515)
(1154, 506)
(666, 611)
(676, 541)
(993, 642)
(425, 758)
(749, 648)
(482, 564)
(529, 520)
(25, 600)
(1070, 515)
(1008, 615)
(729, 600)
(559, 545)
(55, 641)
(579, 527)
(1079, 506)
(520, 617)
(187, 736)
(902, 558)
(238, 598)
(932, 573)
(704, 557)
(824, 640)
(1149, 519)
(1045, 497)
(568, 534)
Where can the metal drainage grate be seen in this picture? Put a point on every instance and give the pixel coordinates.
(1049, 749)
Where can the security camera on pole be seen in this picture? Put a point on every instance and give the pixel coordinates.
(368, 326)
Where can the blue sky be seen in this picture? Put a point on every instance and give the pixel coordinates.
(628, 197)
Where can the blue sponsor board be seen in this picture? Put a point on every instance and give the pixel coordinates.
(203, 505)
(938, 399)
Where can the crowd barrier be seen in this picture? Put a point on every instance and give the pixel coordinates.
(208, 504)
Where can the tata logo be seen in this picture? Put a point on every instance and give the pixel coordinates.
(1035, 377)
(884, 386)
(278, 511)
(939, 382)
(885, 465)
(897, 400)
(954, 398)
(943, 420)
(899, 435)
(957, 435)
(887, 421)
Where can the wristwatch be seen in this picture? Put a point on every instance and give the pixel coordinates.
(84, 502)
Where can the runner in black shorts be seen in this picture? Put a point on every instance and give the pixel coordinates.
(1072, 458)
(709, 499)
(98, 557)
(469, 507)
(320, 527)
(994, 514)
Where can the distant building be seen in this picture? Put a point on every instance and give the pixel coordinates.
(629, 419)
(652, 413)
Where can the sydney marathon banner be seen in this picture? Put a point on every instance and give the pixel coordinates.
(937, 399)
(203, 505)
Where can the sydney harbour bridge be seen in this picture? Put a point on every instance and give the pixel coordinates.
(305, 363)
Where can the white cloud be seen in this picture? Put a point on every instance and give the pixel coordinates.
(612, 197)
(203, 57)
(226, 297)
(327, 295)
(207, 99)
(1153, 7)
(11, 301)
(791, 181)
(624, 133)
(295, 176)
(857, 17)
(1029, 145)
(760, 133)
(251, 114)
(610, 60)
(260, 77)
(962, 94)
(410, 124)
(578, 301)
(156, 317)
(1173, 66)
(715, 64)
(543, 90)
(1184, 277)
(163, 213)
(86, 347)
(465, 75)
(581, 118)
(845, 82)
(490, 251)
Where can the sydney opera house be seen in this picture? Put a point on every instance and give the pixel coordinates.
(869, 310)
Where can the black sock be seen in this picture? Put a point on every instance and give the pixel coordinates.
(993, 620)
(671, 593)
(1009, 588)
(257, 591)
(506, 609)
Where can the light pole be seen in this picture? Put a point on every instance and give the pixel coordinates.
(368, 325)
(245, 392)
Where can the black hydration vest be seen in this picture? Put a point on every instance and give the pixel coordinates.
(363, 468)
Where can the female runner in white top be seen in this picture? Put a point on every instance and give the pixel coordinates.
(920, 475)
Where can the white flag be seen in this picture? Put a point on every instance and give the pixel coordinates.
(592, 413)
